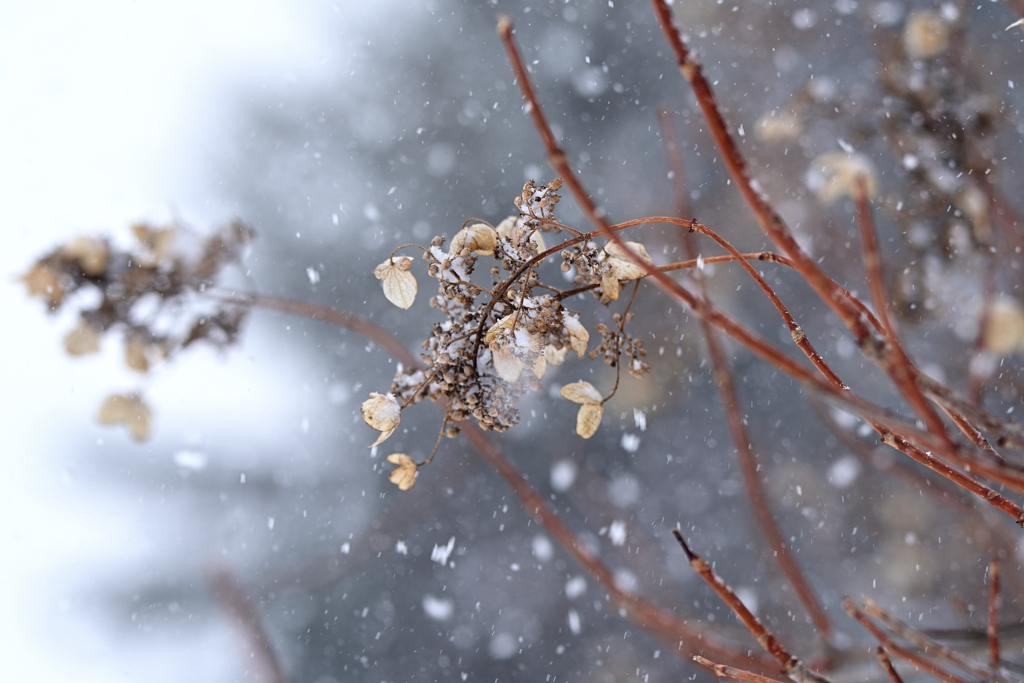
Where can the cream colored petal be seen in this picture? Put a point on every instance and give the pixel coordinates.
(90, 253)
(836, 174)
(588, 419)
(503, 324)
(44, 281)
(540, 366)
(399, 283)
(622, 263)
(382, 437)
(405, 476)
(383, 413)
(538, 241)
(478, 238)
(578, 335)
(135, 355)
(128, 410)
(926, 34)
(506, 227)
(82, 340)
(507, 365)
(610, 286)
(555, 356)
(581, 392)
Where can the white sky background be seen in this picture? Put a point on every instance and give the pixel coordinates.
(108, 113)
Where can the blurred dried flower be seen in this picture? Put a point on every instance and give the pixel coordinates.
(383, 413)
(128, 410)
(926, 34)
(90, 253)
(1004, 331)
(44, 281)
(399, 283)
(82, 340)
(589, 416)
(837, 174)
(778, 127)
(404, 477)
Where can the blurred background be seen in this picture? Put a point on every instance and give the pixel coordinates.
(338, 131)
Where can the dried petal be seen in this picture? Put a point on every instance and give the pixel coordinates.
(1004, 333)
(578, 335)
(610, 286)
(157, 241)
(44, 281)
(90, 253)
(503, 324)
(506, 363)
(128, 410)
(555, 356)
(135, 354)
(383, 413)
(82, 340)
(479, 238)
(581, 392)
(405, 476)
(778, 127)
(399, 283)
(540, 366)
(623, 266)
(588, 419)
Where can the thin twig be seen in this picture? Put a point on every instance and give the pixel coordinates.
(723, 671)
(886, 663)
(228, 593)
(993, 613)
(914, 658)
(794, 668)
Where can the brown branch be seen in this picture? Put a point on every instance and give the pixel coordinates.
(730, 403)
(914, 658)
(886, 663)
(993, 613)
(723, 671)
(229, 594)
(794, 668)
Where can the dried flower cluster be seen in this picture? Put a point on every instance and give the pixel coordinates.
(497, 342)
(145, 294)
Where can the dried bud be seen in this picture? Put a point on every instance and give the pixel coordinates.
(578, 335)
(1004, 331)
(128, 410)
(836, 174)
(405, 476)
(91, 254)
(82, 340)
(926, 34)
(399, 283)
(479, 238)
(383, 413)
(589, 416)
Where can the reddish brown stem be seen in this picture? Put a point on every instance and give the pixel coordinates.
(993, 613)
(794, 668)
(914, 658)
(723, 671)
(227, 591)
(886, 663)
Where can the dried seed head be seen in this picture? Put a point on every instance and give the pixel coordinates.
(383, 413)
(926, 34)
(1004, 331)
(405, 476)
(128, 410)
(836, 174)
(479, 238)
(399, 283)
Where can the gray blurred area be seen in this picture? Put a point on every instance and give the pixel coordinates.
(424, 128)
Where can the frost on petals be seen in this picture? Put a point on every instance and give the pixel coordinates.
(399, 283)
(383, 413)
(404, 477)
(591, 412)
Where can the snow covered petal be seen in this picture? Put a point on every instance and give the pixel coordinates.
(479, 238)
(506, 363)
(581, 392)
(578, 335)
(399, 283)
(383, 413)
(555, 356)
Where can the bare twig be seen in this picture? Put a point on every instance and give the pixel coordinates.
(886, 663)
(229, 594)
(993, 613)
(794, 668)
(723, 671)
